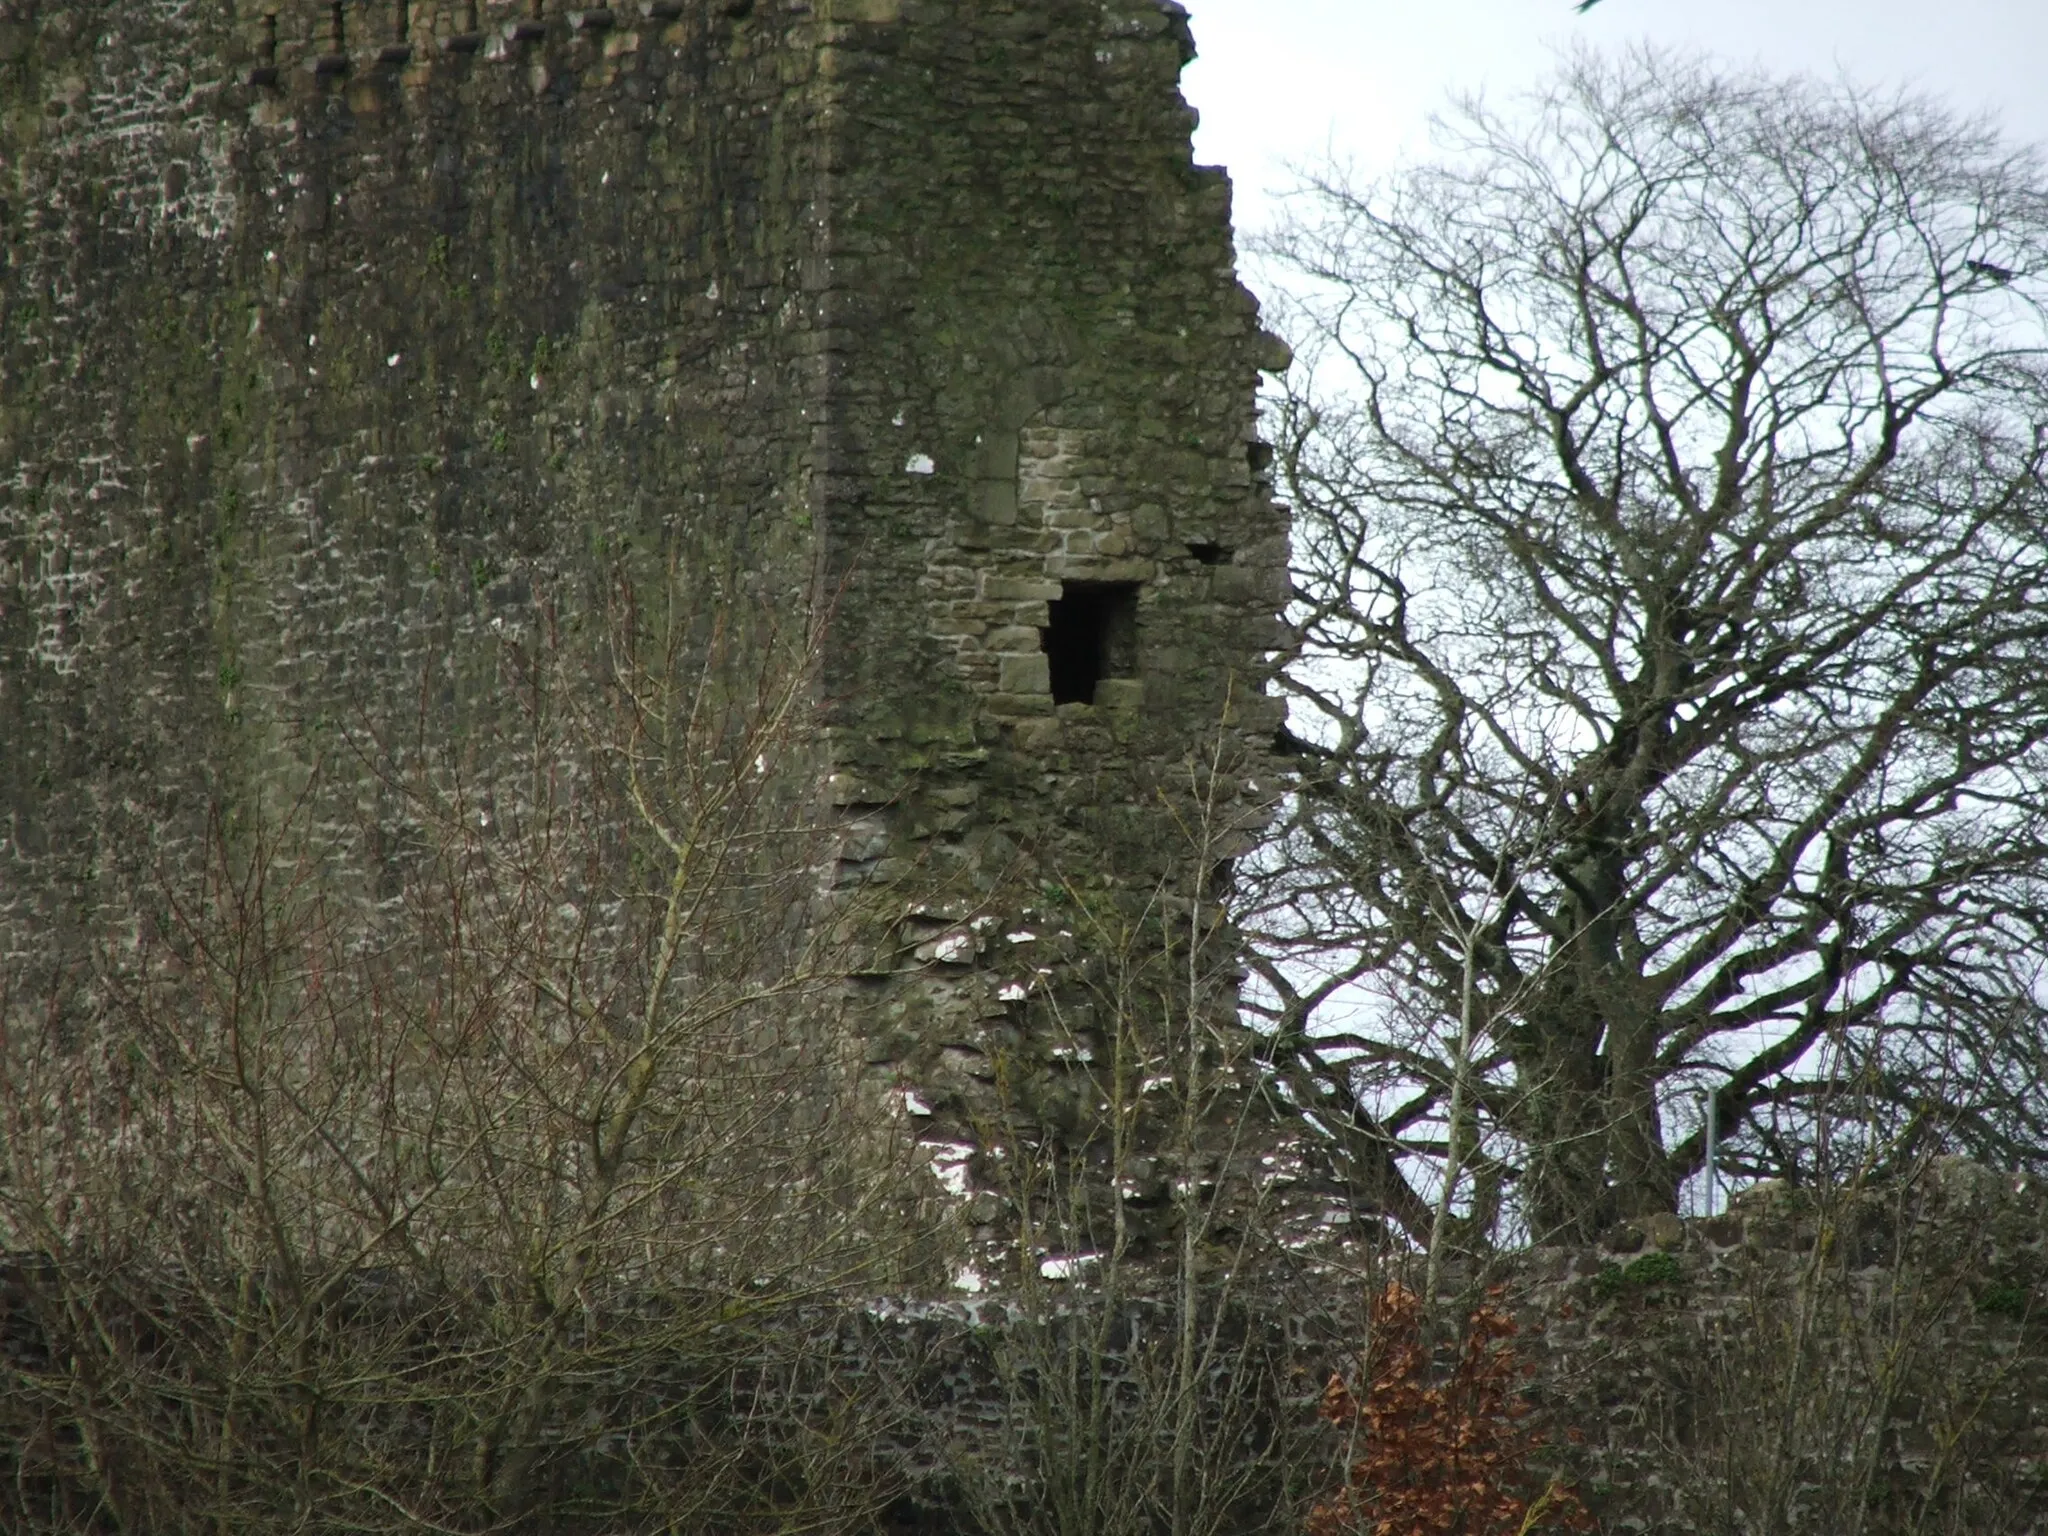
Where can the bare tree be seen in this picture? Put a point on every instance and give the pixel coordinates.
(1673, 603)
(480, 1192)
(1147, 1368)
(1834, 1394)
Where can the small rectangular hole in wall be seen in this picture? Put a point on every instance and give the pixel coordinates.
(1209, 554)
(1093, 634)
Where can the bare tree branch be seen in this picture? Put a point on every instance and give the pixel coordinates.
(1668, 469)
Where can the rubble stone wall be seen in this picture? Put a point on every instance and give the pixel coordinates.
(324, 356)
(1810, 1360)
(345, 346)
(1805, 1362)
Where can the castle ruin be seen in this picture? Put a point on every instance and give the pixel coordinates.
(336, 332)
(344, 343)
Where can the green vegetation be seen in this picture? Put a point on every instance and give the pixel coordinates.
(2010, 1300)
(1648, 1273)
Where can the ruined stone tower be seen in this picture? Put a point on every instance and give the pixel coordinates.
(332, 330)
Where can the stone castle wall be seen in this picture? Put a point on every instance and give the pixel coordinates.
(1805, 1362)
(1810, 1360)
(1036, 291)
(312, 374)
(339, 341)
(345, 345)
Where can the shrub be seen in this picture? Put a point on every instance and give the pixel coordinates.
(1439, 1458)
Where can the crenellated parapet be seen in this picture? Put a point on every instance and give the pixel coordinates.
(67, 70)
(272, 43)
(339, 37)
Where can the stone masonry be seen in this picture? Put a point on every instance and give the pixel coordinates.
(335, 335)
(335, 332)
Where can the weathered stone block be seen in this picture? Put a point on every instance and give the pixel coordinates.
(1119, 693)
(1025, 674)
(1094, 568)
(1014, 589)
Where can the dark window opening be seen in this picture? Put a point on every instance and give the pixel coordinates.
(1093, 634)
(1260, 457)
(1209, 554)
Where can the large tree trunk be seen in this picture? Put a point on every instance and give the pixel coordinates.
(1586, 1107)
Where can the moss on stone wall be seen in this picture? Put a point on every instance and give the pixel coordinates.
(316, 369)
(342, 347)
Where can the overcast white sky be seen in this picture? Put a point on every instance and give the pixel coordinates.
(1286, 80)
